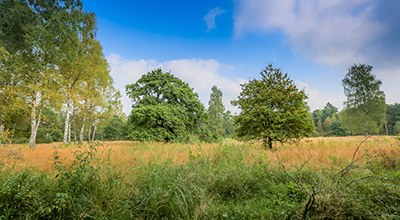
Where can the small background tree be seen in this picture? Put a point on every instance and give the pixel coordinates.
(216, 111)
(272, 109)
(365, 105)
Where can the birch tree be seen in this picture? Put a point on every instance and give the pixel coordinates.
(34, 31)
(74, 67)
(365, 105)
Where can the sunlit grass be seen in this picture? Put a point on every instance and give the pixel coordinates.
(237, 180)
(317, 152)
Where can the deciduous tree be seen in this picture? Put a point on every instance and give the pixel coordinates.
(164, 108)
(365, 105)
(273, 109)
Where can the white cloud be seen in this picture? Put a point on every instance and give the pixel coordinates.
(201, 75)
(336, 33)
(210, 18)
(318, 99)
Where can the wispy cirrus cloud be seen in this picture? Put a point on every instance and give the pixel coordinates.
(210, 18)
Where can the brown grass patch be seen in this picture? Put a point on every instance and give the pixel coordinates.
(127, 155)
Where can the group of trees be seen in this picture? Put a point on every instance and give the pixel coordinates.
(365, 110)
(52, 67)
(165, 108)
(272, 109)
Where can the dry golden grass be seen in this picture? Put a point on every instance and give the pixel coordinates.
(318, 152)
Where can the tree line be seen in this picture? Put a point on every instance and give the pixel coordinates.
(365, 110)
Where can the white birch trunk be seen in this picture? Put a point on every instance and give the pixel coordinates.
(82, 129)
(35, 121)
(89, 131)
(72, 126)
(69, 132)
(67, 125)
(94, 130)
(1, 127)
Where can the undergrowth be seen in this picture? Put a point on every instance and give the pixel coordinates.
(218, 186)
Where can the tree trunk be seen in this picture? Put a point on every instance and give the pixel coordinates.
(73, 123)
(67, 125)
(89, 131)
(1, 127)
(69, 132)
(35, 121)
(82, 129)
(268, 142)
(94, 131)
(12, 133)
(386, 128)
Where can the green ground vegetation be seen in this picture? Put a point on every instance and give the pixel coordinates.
(221, 186)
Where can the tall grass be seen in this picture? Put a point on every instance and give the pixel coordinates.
(128, 180)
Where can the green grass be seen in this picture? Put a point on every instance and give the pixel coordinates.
(221, 186)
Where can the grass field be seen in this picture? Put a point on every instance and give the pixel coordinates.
(316, 178)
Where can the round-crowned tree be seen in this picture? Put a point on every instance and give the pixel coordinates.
(164, 108)
(272, 109)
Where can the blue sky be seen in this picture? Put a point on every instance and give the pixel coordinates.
(227, 42)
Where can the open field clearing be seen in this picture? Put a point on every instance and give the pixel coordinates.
(319, 152)
(317, 178)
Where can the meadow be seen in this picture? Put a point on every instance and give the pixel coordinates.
(316, 178)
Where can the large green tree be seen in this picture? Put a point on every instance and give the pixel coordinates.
(164, 108)
(273, 109)
(365, 105)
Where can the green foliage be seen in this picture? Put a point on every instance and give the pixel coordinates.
(393, 116)
(317, 116)
(165, 108)
(216, 111)
(51, 127)
(365, 105)
(228, 126)
(337, 129)
(222, 186)
(159, 122)
(329, 111)
(81, 174)
(272, 109)
(324, 118)
(115, 130)
(396, 128)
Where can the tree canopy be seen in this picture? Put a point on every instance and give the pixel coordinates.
(365, 105)
(164, 108)
(272, 109)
